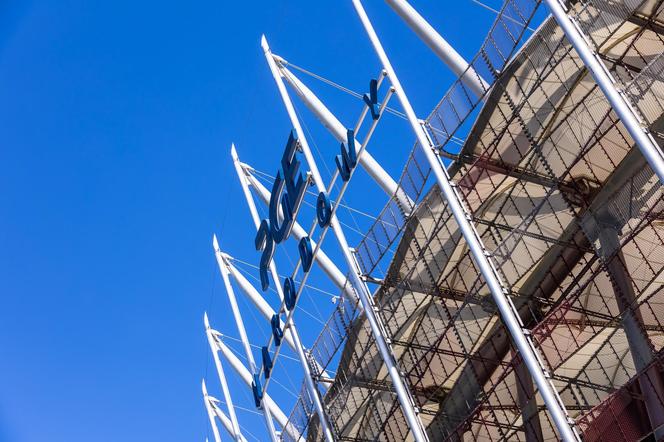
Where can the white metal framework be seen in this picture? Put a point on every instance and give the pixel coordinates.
(405, 399)
(213, 410)
(215, 336)
(268, 405)
(545, 229)
(326, 264)
(337, 129)
(519, 334)
(290, 327)
(235, 426)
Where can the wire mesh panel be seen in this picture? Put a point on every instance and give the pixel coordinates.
(575, 132)
(572, 217)
(375, 246)
(646, 92)
(361, 398)
(601, 19)
(300, 416)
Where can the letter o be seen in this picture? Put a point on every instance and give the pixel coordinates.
(323, 210)
(306, 253)
(290, 293)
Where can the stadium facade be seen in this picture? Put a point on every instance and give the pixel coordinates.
(519, 291)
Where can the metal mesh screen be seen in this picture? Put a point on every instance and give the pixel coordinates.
(572, 216)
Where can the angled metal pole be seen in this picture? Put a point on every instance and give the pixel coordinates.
(225, 421)
(234, 306)
(246, 180)
(339, 131)
(263, 307)
(214, 411)
(241, 330)
(222, 380)
(326, 264)
(296, 341)
(637, 128)
(254, 296)
(377, 328)
(508, 313)
(267, 403)
(459, 66)
(210, 413)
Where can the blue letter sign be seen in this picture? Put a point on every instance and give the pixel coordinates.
(265, 243)
(257, 390)
(277, 332)
(323, 210)
(288, 201)
(371, 99)
(290, 293)
(291, 200)
(306, 253)
(347, 161)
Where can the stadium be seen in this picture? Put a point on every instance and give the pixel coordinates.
(552, 329)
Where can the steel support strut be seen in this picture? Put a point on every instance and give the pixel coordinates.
(519, 334)
(290, 326)
(239, 322)
(326, 264)
(334, 126)
(222, 380)
(267, 402)
(461, 68)
(619, 102)
(211, 415)
(213, 411)
(405, 399)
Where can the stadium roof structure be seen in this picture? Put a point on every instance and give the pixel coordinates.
(570, 213)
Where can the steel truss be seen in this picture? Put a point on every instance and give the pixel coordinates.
(567, 208)
(546, 166)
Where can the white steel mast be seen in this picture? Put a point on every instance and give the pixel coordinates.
(254, 296)
(297, 342)
(337, 129)
(222, 379)
(211, 415)
(213, 411)
(326, 264)
(242, 332)
(405, 399)
(446, 52)
(267, 402)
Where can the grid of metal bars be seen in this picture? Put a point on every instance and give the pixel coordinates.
(359, 369)
(573, 217)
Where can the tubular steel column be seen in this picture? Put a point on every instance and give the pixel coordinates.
(213, 424)
(241, 330)
(297, 342)
(222, 380)
(377, 328)
(213, 410)
(440, 46)
(263, 307)
(640, 347)
(334, 126)
(630, 119)
(508, 313)
(331, 270)
(325, 263)
(256, 299)
(268, 405)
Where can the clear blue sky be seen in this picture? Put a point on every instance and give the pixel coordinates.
(115, 125)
